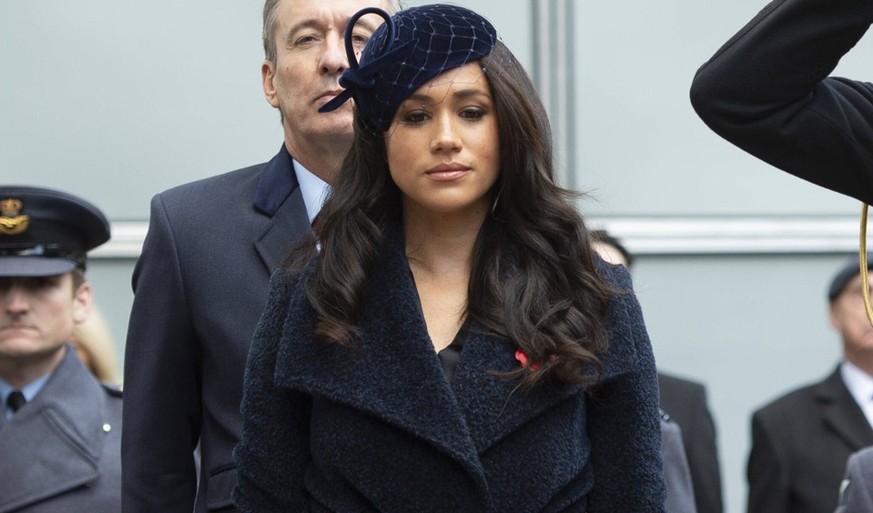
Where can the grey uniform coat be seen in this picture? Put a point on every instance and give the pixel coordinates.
(200, 285)
(378, 428)
(61, 452)
(856, 494)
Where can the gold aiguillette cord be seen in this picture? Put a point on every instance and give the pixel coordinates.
(862, 261)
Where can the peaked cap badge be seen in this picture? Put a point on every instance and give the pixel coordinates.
(11, 222)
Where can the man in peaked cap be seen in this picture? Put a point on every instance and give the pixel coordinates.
(60, 430)
(801, 441)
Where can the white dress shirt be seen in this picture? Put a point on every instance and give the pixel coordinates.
(860, 385)
(313, 189)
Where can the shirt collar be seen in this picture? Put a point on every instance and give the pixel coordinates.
(29, 390)
(860, 385)
(313, 189)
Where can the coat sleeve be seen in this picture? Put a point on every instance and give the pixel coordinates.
(768, 483)
(161, 412)
(272, 455)
(623, 416)
(766, 91)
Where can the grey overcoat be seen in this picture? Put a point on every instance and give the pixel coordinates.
(61, 453)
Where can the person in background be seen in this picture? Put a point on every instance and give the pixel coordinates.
(856, 490)
(677, 476)
(202, 278)
(453, 344)
(684, 401)
(93, 344)
(769, 91)
(801, 441)
(60, 429)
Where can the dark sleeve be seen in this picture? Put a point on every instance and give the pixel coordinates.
(161, 382)
(272, 455)
(623, 416)
(766, 91)
(768, 482)
(680, 492)
(698, 433)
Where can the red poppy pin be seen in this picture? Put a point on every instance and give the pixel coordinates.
(523, 359)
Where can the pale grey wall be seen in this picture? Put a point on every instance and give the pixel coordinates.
(116, 100)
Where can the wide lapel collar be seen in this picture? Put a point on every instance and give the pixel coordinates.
(278, 196)
(393, 372)
(54, 442)
(842, 413)
(495, 406)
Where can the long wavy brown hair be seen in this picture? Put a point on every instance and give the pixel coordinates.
(533, 279)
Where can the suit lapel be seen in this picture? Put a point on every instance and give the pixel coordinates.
(52, 445)
(278, 196)
(843, 414)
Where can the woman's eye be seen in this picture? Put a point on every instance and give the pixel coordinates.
(415, 117)
(472, 114)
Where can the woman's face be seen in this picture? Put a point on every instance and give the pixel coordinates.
(443, 147)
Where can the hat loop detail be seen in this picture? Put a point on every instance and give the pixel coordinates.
(357, 77)
(412, 47)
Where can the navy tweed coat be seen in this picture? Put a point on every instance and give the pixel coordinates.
(378, 428)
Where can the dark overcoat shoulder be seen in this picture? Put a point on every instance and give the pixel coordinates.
(378, 428)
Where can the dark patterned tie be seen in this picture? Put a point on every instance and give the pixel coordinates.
(15, 400)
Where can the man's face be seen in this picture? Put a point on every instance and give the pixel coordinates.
(849, 317)
(38, 314)
(310, 57)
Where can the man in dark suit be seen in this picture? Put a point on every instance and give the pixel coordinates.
(684, 401)
(60, 430)
(201, 281)
(801, 441)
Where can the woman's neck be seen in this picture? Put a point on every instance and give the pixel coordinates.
(440, 246)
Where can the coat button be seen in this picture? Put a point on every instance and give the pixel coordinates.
(107, 428)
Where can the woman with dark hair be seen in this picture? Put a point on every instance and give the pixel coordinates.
(448, 341)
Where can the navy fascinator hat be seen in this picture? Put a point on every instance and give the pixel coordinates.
(405, 52)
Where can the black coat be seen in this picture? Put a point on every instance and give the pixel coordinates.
(800, 444)
(685, 403)
(378, 428)
(766, 91)
(200, 286)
